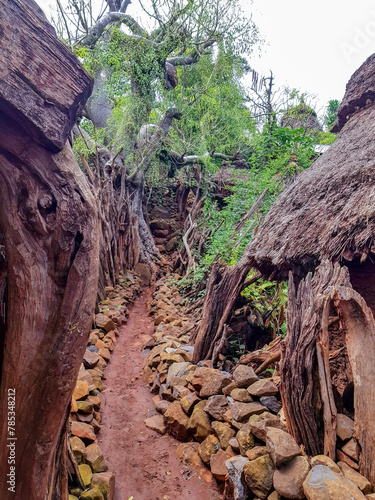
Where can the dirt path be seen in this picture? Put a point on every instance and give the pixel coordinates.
(145, 463)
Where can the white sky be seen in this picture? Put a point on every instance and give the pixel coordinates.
(313, 46)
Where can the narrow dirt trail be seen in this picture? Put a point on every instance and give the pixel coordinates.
(145, 464)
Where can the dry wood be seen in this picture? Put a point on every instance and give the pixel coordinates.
(42, 85)
(359, 325)
(329, 407)
(273, 358)
(262, 355)
(49, 218)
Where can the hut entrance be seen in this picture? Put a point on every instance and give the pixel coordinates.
(362, 277)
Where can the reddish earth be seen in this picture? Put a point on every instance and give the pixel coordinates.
(145, 463)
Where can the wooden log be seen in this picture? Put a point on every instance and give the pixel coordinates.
(43, 87)
(329, 407)
(359, 325)
(49, 219)
(306, 387)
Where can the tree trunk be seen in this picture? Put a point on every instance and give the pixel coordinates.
(222, 292)
(49, 221)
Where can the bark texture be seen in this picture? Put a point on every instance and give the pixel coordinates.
(49, 225)
(48, 217)
(306, 386)
(42, 85)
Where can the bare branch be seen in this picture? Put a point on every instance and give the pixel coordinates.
(96, 32)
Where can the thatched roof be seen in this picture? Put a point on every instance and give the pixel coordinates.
(301, 116)
(329, 210)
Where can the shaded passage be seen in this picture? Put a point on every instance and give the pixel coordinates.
(145, 464)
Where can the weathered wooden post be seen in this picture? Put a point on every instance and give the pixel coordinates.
(48, 220)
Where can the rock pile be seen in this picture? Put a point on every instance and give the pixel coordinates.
(94, 481)
(164, 229)
(231, 424)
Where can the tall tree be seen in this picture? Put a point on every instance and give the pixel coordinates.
(136, 65)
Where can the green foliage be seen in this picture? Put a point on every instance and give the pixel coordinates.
(331, 113)
(270, 297)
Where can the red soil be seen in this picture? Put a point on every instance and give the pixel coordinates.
(144, 462)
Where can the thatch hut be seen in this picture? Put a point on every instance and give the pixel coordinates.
(302, 116)
(321, 234)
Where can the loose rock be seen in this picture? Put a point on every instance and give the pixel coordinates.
(258, 476)
(360, 481)
(263, 387)
(281, 445)
(243, 376)
(288, 481)
(324, 484)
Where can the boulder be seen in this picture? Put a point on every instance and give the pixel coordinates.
(78, 448)
(188, 454)
(85, 406)
(242, 411)
(105, 482)
(104, 353)
(188, 402)
(199, 424)
(227, 391)
(208, 447)
(81, 390)
(86, 473)
(92, 494)
(217, 465)
(177, 422)
(344, 458)
(224, 433)
(156, 423)
(209, 381)
(243, 376)
(172, 244)
(86, 418)
(273, 404)
(83, 431)
(162, 406)
(177, 370)
(289, 479)
(281, 446)
(90, 358)
(159, 223)
(355, 477)
(235, 466)
(324, 484)
(160, 213)
(274, 496)
(95, 458)
(256, 452)
(241, 395)
(258, 475)
(245, 439)
(351, 449)
(345, 427)
(96, 402)
(259, 424)
(263, 387)
(216, 407)
(104, 322)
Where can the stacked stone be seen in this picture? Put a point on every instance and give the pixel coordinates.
(94, 481)
(232, 426)
(164, 228)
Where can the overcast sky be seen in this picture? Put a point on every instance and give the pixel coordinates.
(313, 46)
